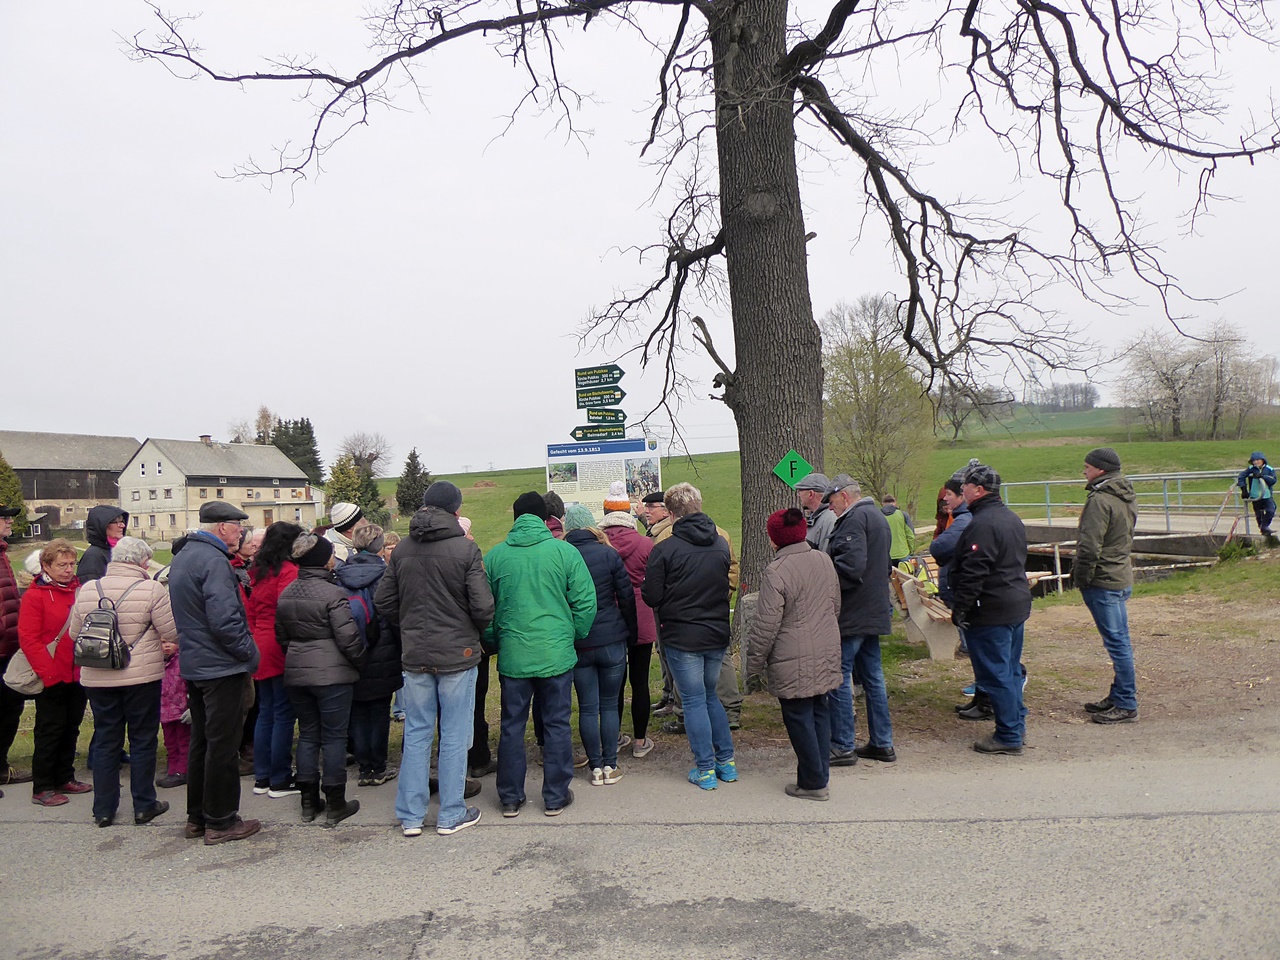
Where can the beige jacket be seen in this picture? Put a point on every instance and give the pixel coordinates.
(795, 636)
(145, 618)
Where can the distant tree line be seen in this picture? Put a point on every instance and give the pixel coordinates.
(1064, 397)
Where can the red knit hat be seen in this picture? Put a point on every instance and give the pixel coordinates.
(787, 527)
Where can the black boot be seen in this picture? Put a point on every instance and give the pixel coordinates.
(339, 806)
(311, 802)
(980, 708)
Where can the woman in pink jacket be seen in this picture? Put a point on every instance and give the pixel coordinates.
(127, 701)
(60, 707)
(634, 548)
(271, 571)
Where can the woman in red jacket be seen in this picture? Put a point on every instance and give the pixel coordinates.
(272, 570)
(45, 609)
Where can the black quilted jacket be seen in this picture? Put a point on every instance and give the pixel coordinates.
(321, 644)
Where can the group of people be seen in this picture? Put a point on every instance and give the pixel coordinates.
(322, 628)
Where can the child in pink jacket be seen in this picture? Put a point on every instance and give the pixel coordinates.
(175, 721)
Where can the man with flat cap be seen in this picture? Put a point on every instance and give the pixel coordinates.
(11, 703)
(657, 517)
(219, 657)
(1105, 577)
(811, 491)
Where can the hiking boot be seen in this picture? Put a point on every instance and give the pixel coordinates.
(142, 819)
(844, 758)
(802, 793)
(470, 819)
(311, 802)
(171, 780)
(1116, 715)
(239, 830)
(979, 709)
(883, 754)
(337, 806)
(727, 772)
(556, 811)
(1101, 706)
(385, 776)
(992, 745)
(675, 726)
(49, 798)
(706, 779)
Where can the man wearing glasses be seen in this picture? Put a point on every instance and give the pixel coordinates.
(219, 657)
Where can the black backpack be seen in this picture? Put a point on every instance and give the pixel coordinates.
(99, 644)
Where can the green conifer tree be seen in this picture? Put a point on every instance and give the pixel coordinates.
(412, 485)
(11, 496)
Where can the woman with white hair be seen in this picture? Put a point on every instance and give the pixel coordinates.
(127, 701)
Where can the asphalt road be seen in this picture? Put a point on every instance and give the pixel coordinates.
(1134, 843)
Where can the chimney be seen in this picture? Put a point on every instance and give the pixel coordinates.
(206, 439)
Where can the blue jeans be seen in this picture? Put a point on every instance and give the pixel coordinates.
(371, 734)
(452, 697)
(996, 655)
(1111, 615)
(323, 716)
(1264, 511)
(556, 696)
(598, 678)
(135, 708)
(273, 734)
(705, 723)
(860, 657)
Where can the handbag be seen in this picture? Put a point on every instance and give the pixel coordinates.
(99, 644)
(20, 677)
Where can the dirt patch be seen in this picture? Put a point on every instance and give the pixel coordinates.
(484, 483)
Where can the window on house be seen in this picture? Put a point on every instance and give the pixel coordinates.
(137, 495)
(137, 520)
(248, 494)
(222, 479)
(277, 493)
(168, 493)
(159, 468)
(173, 519)
(276, 482)
(297, 514)
(33, 530)
(204, 493)
(152, 494)
(142, 467)
(219, 492)
(151, 520)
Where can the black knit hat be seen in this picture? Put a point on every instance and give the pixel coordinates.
(444, 495)
(318, 555)
(1104, 458)
(530, 502)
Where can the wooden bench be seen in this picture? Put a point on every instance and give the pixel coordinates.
(928, 619)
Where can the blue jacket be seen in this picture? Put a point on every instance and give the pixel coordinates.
(943, 548)
(1255, 483)
(213, 632)
(615, 597)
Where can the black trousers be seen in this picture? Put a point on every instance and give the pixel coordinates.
(638, 660)
(480, 755)
(218, 708)
(59, 712)
(808, 723)
(371, 730)
(11, 705)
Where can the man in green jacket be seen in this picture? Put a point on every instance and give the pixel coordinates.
(544, 601)
(903, 543)
(1105, 578)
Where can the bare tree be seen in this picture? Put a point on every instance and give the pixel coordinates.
(368, 451)
(1062, 87)
(240, 431)
(264, 425)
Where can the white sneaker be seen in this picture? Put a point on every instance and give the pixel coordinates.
(612, 774)
(597, 777)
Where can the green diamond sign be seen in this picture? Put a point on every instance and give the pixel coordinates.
(793, 468)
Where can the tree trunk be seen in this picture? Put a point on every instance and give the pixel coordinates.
(776, 389)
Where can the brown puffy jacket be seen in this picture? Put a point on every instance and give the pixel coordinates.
(795, 636)
(145, 618)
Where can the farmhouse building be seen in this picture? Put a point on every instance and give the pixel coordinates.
(64, 474)
(166, 482)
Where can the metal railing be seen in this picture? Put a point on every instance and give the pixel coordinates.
(1160, 494)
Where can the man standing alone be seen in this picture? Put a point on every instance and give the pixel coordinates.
(1105, 578)
(859, 548)
(990, 602)
(219, 657)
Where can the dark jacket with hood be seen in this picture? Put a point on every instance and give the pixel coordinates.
(322, 647)
(1105, 536)
(93, 563)
(9, 601)
(380, 676)
(859, 548)
(434, 592)
(943, 548)
(687, 584)
(615, 620)
(988, 573)
(213, 631)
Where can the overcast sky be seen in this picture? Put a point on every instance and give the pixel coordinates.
(429, 284)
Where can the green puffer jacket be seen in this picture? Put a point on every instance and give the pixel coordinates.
(1106, 534)
(545, 600)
